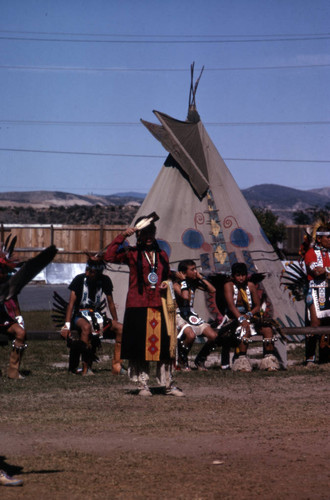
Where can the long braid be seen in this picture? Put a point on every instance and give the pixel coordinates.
(164, 262)
(139, 268)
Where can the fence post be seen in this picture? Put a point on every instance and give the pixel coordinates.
(51, 234)
(101, 236)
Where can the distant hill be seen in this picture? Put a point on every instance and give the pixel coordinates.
(284, 201)
(131, 194)
(284, 197)
(46, 199)
(47, 207)
(323, 191)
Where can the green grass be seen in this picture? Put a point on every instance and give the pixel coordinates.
(38, 321)
(45, 363)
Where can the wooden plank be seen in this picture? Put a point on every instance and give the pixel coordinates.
(306, 330)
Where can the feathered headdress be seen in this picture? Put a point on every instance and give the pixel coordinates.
(322, 222)
(145, 221)
(295, 280)
(6, 254)
(311, 234)
(95, 261)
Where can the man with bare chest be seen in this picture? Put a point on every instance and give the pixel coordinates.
(243, 303)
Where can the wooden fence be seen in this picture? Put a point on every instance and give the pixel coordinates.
(72, 241)
(294, 238)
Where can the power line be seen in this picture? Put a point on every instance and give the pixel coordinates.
(91, 189)
(79, 153)
(130, 35)
(125, 155)
(158, 70)
(171, 42)
(277, 160)
(240, 124)
(69, 123)
(115, 124)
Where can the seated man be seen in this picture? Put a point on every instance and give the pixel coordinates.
(317, 260)
(189, 324)
(83, 314)
(243, 303)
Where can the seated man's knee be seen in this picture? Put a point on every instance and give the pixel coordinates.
(267, 333)
(210, 334)
(190, 335)
(85, 330)
(117, 328)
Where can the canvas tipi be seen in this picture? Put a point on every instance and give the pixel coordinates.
(205, 217)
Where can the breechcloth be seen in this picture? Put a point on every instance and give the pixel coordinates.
(145, 335)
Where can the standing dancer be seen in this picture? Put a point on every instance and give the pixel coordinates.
(145, 334)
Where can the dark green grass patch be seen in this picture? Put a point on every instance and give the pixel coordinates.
(38, 321)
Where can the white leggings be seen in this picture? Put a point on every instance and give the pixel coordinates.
(138, 372)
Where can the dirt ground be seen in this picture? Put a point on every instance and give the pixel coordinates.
(246, 436)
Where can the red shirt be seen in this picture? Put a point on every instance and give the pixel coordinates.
(311, 257)
(150, 297)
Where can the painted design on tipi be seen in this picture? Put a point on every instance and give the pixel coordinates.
(193, 239)
(220, 254)
(164, 245)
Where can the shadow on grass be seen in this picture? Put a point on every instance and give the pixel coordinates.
(17, 470)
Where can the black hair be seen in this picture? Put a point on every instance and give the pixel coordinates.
(97, 265)
(239, 268)
(184, 264)
(150, 227)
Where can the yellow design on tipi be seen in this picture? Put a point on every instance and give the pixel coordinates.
(220, 255)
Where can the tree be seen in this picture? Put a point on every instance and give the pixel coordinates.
(274, 230)
(302, 218)
(311, 215)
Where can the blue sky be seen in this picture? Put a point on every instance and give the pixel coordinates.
(76, 77)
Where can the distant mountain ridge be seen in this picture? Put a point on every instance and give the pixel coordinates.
(282, 197)
(281, 200)
(46, 199)
(284, 201)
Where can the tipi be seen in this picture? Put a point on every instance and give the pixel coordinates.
(204, 216)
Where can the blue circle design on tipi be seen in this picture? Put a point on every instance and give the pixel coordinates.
(263, 234)
(192, 238)
(239, 238)
(164, 246)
